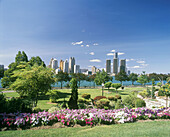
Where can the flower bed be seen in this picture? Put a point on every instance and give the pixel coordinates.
(82, 117)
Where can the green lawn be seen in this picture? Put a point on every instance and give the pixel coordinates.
(146, 129)
(66, 93)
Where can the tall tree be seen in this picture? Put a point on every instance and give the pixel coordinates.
(79, 77)
(102, 77)
(62, 77)
(36, 60)
(92, 78)
(21, 57)
(121, 76)
(133, 77)
(33, 81)
(1, 72)
(74, 95)
(143, 78)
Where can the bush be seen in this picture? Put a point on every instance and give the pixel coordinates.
(144, 94)
(112, 98)
(117, 96)
(129, 102)
(53, 95)
(3, 103)
(52, 100)
(99, 97)
(36, 110)
(161, 93)
(140, 103)
(108, 84)
(86, 96)
(119, 105)
(53, 109)
(102, 103)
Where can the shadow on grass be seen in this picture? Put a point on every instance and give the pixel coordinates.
(63, 95)
(122, 93)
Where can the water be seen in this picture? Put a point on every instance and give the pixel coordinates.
(91, 84)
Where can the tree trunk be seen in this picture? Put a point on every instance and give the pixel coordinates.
(61, 85)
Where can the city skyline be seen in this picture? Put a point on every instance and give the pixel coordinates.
(91, 31)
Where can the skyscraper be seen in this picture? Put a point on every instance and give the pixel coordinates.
(123, 65)
(61, 65)
(54, 64)
(65, 66)
(50, 65)
(76, 69)
(93, 69)
(115, 63)
(108, 66)
(71, 65)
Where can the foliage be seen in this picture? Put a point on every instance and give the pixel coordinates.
(1, 72)
(143, 78)
(133, 77)
(62, 77)
(116, 86)
(119, 104)
(79, 77)
(36, 60)
(159, 84)
(108, 84)
(140, 103)
(117, 96)
(102, 103)
(53, 109)
(36, 110)
(91, 78)
(33, 81)
(3, 104)
(121, 76)
(102, 77)
(112, 98)
(21, 57)
(74, 95)
(144, 94)
(98, 98)
(86, 96)
(53, 95)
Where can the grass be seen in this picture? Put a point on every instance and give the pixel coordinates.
(66, 93)
(145, 129)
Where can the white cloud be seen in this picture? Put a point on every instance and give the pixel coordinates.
(112, 54)
(87, 45)
(77, 43)
(90, 66)
(145, 65)
(95, 44)
(113, 50)
(130, 60)
(82, 45)
(95, 60)
(136, 67)
(140, 62)
(91, 53)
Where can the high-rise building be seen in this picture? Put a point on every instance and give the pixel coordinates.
(71, 65)
(61, 65)
(93, 69)
(115, 64)
(50, 65)
(1, 66)
(54, 64)
(108, 66)
(65, 66)
(76, 69)
(83, 70)
(123, 65)
(128, 72)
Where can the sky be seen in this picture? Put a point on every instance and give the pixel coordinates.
(89, 30)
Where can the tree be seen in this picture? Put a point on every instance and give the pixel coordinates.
(102, 77)
(61, 77)
(79, 76)
(92, 78)
(33, 81)
(121, 76)
(21, 57)
(74, 95)
(1, 72)
(159, 84)
(116, 86)
(36, 60)
(133, 77)
(143, 78)
(108, 85)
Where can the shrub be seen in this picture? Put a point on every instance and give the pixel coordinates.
(86, 96)
(102, 103)
(119, 105)
(53, 109)
(116, 85)
(99, 97)
(52, 100)
(112, 98)
(3, 103)
(129, 102)
(53, 95)
(117, 96)
(108, 84)
(161, 93)
(144, 94)
(140, 103)
(36, 110)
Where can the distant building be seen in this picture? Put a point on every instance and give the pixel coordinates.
(88, 73)
(98, 70)
(115, 64)
(65, 66)
(1, 66)
(83, 70)
(93, 70)
(50, 65)
(123, 65)
(71, 65)
(57, 70)
(61, 65)
(54, 64)
(76, 69)
(128, 72)
(108, 66)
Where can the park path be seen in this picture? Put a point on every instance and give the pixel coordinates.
(8, 91)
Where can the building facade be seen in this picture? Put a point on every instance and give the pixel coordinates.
(54, 64)
(108, 66)
(71, 64)
(123, 65)
(61, 65)
(115, 64)
(93, 69)
(76, 68)
(65, 66)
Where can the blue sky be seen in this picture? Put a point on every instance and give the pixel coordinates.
(88, 30)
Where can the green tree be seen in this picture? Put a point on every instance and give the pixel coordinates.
(79, 77)
(108, 85)
(116, 86)
(33, 81)
(62, 77)
(121, 76)
(21, 57)
(133, 77)
(102, 77)
(1, 72)
(143, 78)
(92, 78)
(74, 95)
(36, 60)
(159, 84)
